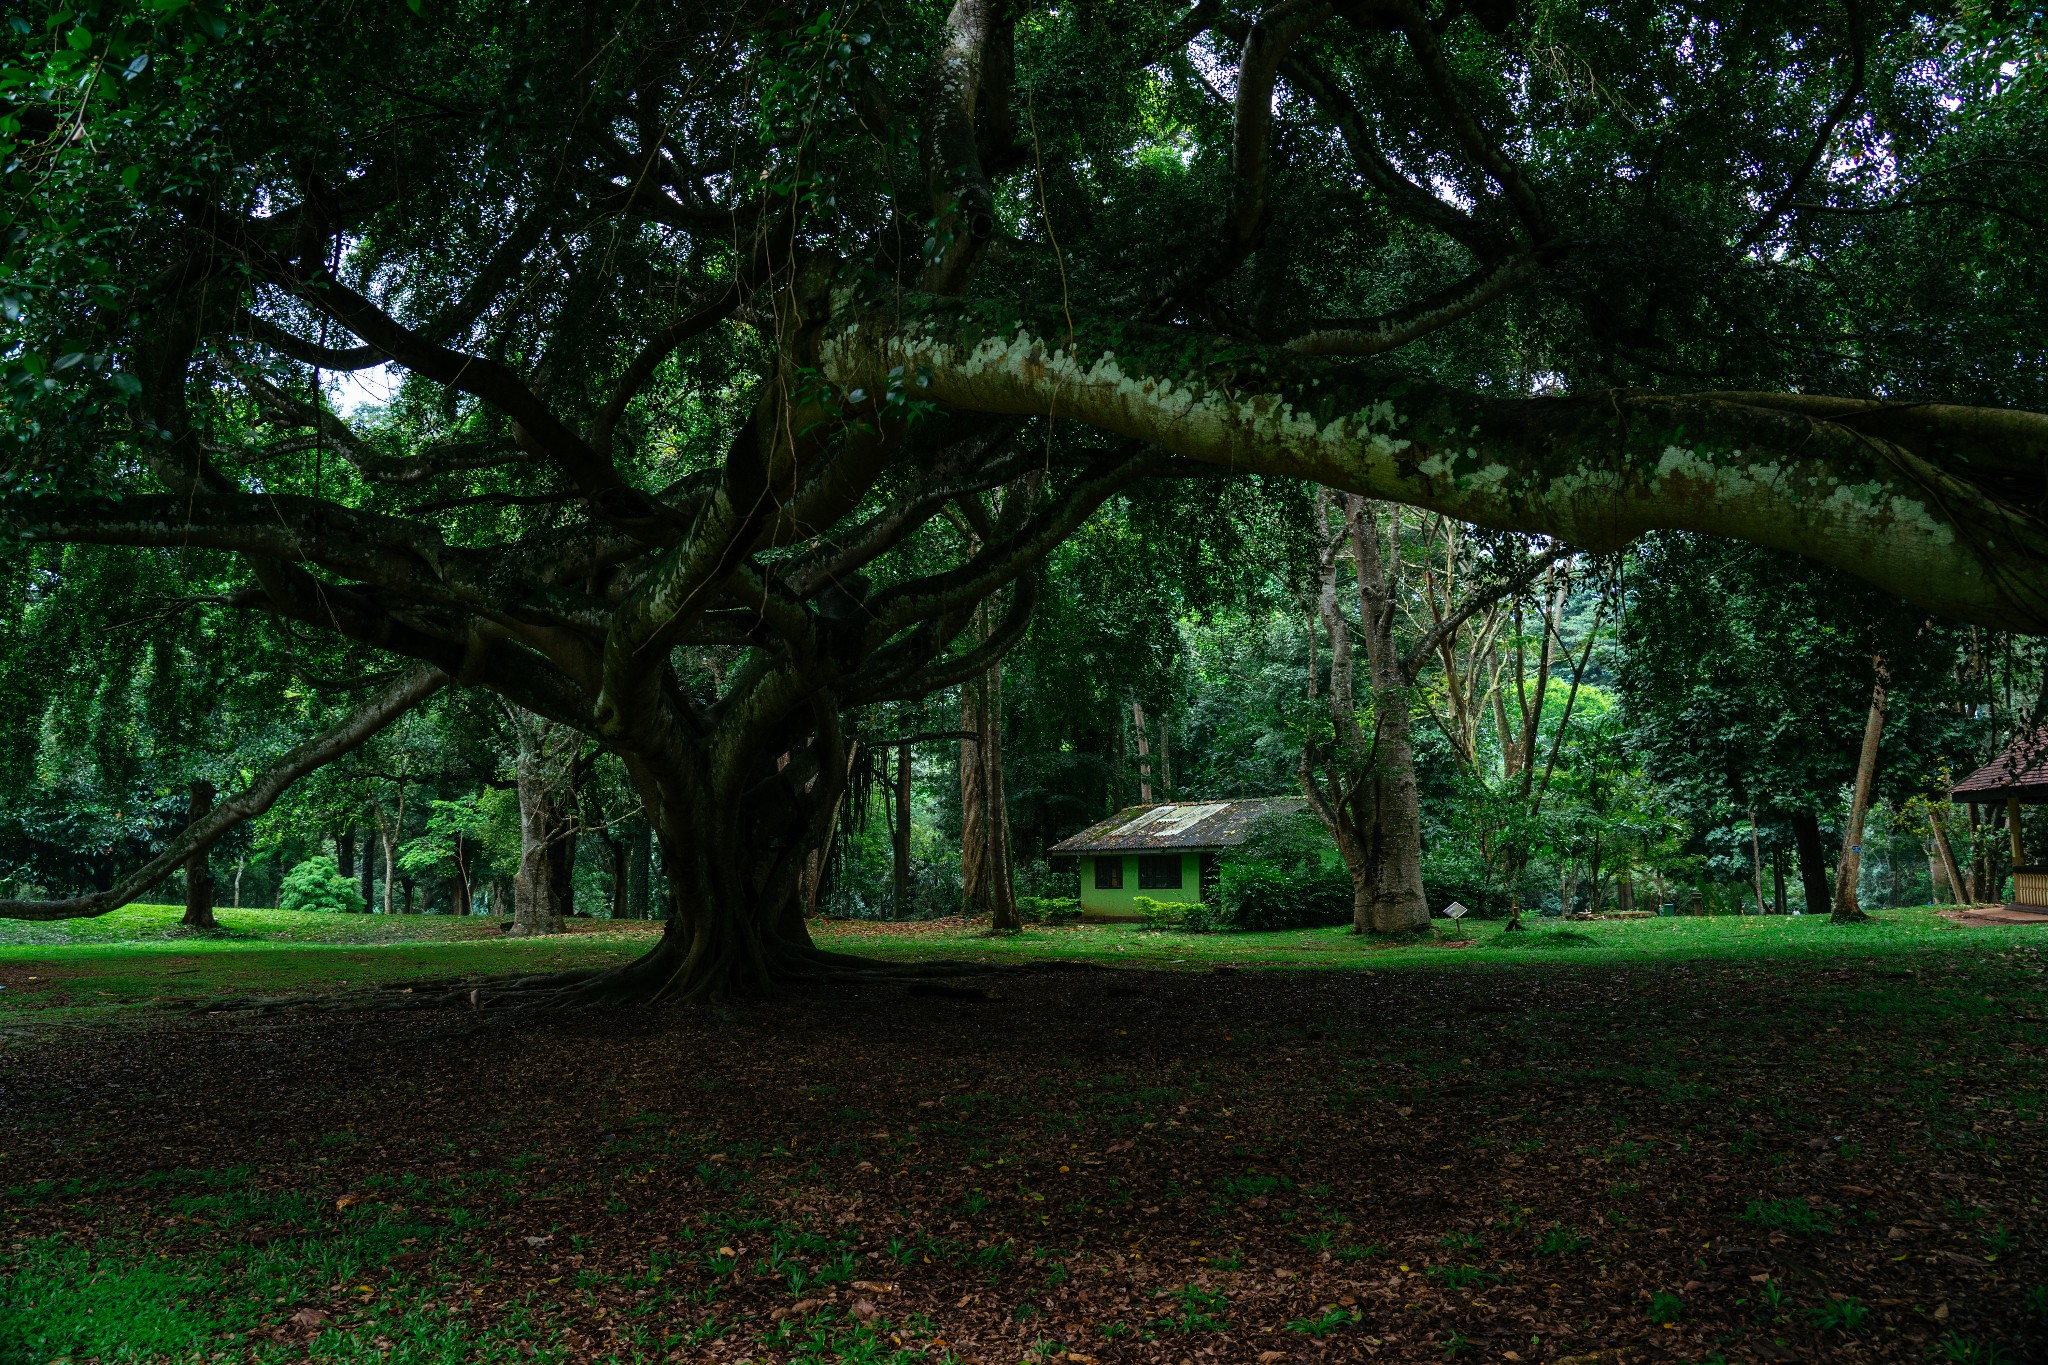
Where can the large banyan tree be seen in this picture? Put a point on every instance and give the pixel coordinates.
(737, 365)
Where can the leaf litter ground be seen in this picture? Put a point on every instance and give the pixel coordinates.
(1735, 1160)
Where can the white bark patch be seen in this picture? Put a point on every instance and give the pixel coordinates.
(1825, 502)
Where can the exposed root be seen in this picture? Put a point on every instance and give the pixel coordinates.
(652, 980)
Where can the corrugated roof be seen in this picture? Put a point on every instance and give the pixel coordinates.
(2021, 770)
(1182, 824)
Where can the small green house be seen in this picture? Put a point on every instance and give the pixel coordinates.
(1164, 852)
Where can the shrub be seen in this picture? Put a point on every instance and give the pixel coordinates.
(316, 884)
(1191, 917)
(1286, 875)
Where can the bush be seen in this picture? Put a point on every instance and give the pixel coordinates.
(1286, 875)
(316, 884)
(1190, 917)
(1048, 909)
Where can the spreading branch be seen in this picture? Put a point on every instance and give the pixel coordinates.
(1911, 507)
(374, 715)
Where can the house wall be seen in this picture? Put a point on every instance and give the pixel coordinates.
(1122, 903)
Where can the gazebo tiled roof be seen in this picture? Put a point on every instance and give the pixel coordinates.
(2019, 773)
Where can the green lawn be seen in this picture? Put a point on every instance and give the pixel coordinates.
(1473, 946)
(1694, 1140)
(140, 955)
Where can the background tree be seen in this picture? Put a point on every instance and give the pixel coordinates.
(1747, 679)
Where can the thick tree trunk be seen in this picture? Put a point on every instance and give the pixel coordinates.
(639, 869)
(1397, 904)
(1846, 909)
(1813, 875)
(988, 880)
(345, 853)
(1368, 800)
(545, 828)
(199, 867)
(1000, 877)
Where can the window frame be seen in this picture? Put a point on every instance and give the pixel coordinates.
(1150, 869)
(1115, 865)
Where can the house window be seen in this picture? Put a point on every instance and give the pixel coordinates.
(1159, 872)
(1109, 874)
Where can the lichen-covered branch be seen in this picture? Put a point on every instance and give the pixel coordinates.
(1922, 502)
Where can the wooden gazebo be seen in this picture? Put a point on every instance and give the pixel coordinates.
(2017, 777)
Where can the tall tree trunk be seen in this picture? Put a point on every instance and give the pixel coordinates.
(461, 893)
(1368, 799)
(1846, 910)
(1144, 752)
(1756, 865)
(974, 805)
(987, 877)
(1937, 818)
(639, 868)
(199, 867)
(386, 843)
(615, 853)
(538, 906)
(1397, 903)
(1778, 906)
(345, 853)
(901, 849)
(1165, 760)
(999, 876)
(369, 876)
(2013, 837)
(1981, 888)
(1813, 874)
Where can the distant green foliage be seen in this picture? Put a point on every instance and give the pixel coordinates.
(1287, 875)
(316, 884)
